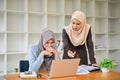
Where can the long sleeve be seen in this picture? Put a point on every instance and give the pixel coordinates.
(90, 47)
(34, 61)
(67, 44)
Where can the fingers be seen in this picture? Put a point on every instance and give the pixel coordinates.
(48, 53)
(43, 53)
(74, 52)
(71, 54)
(94, 65)
(50, 49)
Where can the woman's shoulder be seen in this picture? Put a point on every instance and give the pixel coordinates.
(64, 31)
(33, 46)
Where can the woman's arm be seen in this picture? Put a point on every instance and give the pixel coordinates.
(90, 47)
(34, 61)
(67, 44)
(56, 54)
(51, 51)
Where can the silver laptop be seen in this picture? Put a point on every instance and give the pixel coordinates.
(61, 68)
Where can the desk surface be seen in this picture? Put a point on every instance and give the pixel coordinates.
(98, 75)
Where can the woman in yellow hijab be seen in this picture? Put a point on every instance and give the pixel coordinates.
(77, 38)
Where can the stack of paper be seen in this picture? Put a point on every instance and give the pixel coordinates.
(85, 69)
(90, 68)
(28, 74)
(82, 70)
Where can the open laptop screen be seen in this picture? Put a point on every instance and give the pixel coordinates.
(65, 67)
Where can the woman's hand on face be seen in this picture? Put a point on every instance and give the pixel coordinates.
(71, 54)
(53, 51)
(50, 49)
(49, 52)
(43, 53)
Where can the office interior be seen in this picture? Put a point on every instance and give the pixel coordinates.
(21, 22)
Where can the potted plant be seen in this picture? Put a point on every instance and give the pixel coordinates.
(106, 65)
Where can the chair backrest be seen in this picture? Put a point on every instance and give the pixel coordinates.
(23, 65)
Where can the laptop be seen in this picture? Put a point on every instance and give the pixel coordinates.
(61, 68)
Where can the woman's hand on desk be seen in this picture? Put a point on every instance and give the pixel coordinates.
(95, 65)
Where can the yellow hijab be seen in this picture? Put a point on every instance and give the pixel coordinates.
(78, 37)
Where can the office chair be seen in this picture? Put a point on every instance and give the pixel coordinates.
(23, 65)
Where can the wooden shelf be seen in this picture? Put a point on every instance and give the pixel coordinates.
(21, 23)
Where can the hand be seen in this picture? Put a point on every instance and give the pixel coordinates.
(50, 49)
(71, 54)
(95, 65)
(43, 53)
(53, 51)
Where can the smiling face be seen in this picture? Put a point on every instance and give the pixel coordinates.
(49, 44)
(76, 24)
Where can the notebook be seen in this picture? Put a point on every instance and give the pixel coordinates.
(61, 68)
(28, 74)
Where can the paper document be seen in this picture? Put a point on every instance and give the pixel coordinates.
(85, 69)
(90, 68)
(82, 70)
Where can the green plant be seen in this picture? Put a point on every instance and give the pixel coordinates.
(106, 63)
